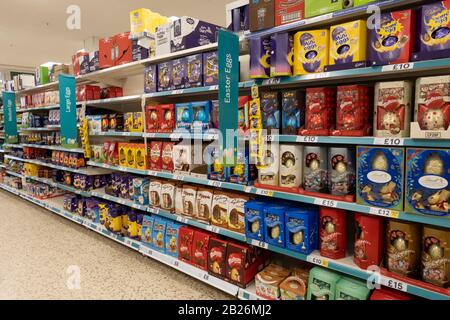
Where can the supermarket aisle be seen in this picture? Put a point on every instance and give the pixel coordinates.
(40, 253)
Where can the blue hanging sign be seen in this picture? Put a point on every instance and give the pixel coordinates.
(68, 108)
(9, 110)
(228, 94)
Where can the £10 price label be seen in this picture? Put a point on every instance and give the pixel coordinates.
(307, 139)
(266, 193)
(318, 261)
(389, 141)
(398, 67)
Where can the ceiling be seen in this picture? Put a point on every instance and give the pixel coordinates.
(34, 31)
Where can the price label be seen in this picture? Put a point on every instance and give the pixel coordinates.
(153, 173)
(394, 284)
(206, 277)
(307, 139)
(318, 261)
(175, 136)
(271, 81)
(398, 67)
(213, 88)
(326, 203)
(248, 189)
(150, 135)
(384, 213)
(179, 178)
(216, 184)
(155, 210)
(317, 76)
(182, 220)
(260, 244)
(213, 229)
(177, 91)
(270, 138)
(265, 193)
(146, 250)
(389, 141)
(127, 242)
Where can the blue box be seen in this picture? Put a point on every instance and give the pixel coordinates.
(270, 107)
(302, 230)
(139, 52)
(184, 116)
(141, 191)
(179, 73)
(427, 182)
(165, 82)
(254, 220)
(194, 71)
(293, 111)
(211, 68)
(274, 225)
(380, 177)
(201, 112)
(159, 235)
(147, 230)
(216, 171)
(172, 231)
(151, 79)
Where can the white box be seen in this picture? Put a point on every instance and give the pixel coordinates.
(162, 39)
(168, 196)
(182, 159)
(204, 204)
(189, 201)
(155, 193)
(291, 165)
(270, 174)
(179, 200)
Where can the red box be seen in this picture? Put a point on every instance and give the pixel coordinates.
(167, 156)
(368, 240)
(167, 118)
(123, 48)
(200, 250)
(106, 54)
(156, 155)
(77, 59)
(320, 111)
(242, 264)
(152, 119)
(119, 92)
(185, 240)
(333, 233)
(217, 254)
(389, 294)
(353, 111)
(287, 11)
(85, 93)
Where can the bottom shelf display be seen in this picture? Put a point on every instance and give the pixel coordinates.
(228, 264)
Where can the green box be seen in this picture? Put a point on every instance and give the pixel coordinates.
(315, 8)
(350, 289)
(42, 75)
(362, 2)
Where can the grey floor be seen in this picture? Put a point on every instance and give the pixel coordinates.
(44, 256)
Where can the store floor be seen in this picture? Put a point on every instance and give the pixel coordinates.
(40, 254)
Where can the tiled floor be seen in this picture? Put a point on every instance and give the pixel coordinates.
(41, 255)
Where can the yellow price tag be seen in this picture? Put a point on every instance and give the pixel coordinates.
(394, 214)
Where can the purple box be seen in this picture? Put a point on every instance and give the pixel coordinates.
(179, 73)
(139, 52)
(281, 61)
(94, 62)
(150, 79)
(259, 58)
(194, 71)
(189, 33)
(211, 68)
(433, 27)
(215, 114)
(165, 82)
(240, 19)
(84, 65)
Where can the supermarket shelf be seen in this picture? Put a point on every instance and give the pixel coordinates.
(86, 171)
(46, 128)
(46, 87)
(3, 151)
(117, 134)
(392, 142)
(15, 174)
(437, 221)
(172, 136)
(412, 69)
(249, 293)
(55, 205)
(169, 215)
(347, 266)
(113, 101)
(335, 18)
(56, 106)
(57, 148)
(14, 146)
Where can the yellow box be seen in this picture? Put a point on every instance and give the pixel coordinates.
(144, 20)
(131, 156)
(30, 170)
(138, 122)
(141, 159)
(128, 122)
(311, 49)
(348, 42)
(123, 149)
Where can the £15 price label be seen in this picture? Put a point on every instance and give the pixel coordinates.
(394, 284)
(326, 203)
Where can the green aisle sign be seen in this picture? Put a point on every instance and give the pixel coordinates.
(68, 108)
(228, 94)
(10, 115)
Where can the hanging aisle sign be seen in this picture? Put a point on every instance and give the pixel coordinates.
(10, 115)
(68, 109)
(228, 94)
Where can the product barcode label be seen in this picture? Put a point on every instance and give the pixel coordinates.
(321, 75)
(248, 189)
(182, 220)
(145, 250)
(389, 141)
(398, 67)
(394, 284)
(213, 88)
(326, 203)
(178, 91)
(318, 261)
(213, 229)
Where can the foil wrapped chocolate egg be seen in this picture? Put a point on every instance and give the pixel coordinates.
(435, 251)
(343, 49)
(311, 55)
(298, 238)
(391, 122)
(434, 166)
(330, 227)
(434, 119)
(390, 41)
(340, 167)
(168, 115)
(380, 162)
(400, 244)
(201, 116)
(186, 115)
(314, 165)
(154, 116)
(440, 33)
